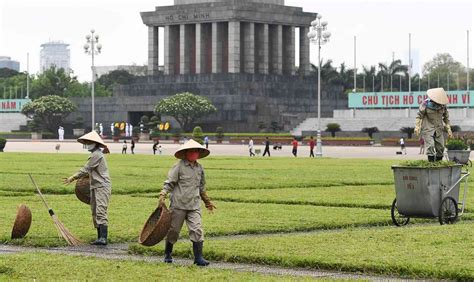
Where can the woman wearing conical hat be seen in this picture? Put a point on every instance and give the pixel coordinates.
(432, 121)
(97, 170)
(186, 185)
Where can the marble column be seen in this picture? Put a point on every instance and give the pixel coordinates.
(261, 48)
(289, 50)
(276, 46)
(153, 50)
(304, 51)
(169, 50)
(234, 47)
(187, 42)
(217, 45)
(249, 47)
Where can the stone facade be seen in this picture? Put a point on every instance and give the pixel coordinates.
(238, 53)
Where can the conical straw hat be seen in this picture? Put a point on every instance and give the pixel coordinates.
(191, 144)
(438, 95)
(91, 136)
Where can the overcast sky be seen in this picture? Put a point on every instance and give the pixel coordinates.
(381, 28)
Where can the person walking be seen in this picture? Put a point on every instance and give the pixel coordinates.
(155, 145)
(124, 147)
(61, 133)
(432, 121)
(132, 147)
(206, 141)
(186, 186)
(100, 185)
(402, 145)
(422, 146)
(252, 154)
(267, 147)
(294, 143)
(312, 143)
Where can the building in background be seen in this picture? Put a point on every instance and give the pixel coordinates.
(7, 62)
(55, 53)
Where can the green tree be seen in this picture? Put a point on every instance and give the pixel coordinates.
(408, 130)
(443, 68)
(49, 111)
(370, 131)
(333, 128)
(186, 108)
(198, 136)
(116, 77)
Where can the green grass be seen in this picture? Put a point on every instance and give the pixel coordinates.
(46, 267)
(431, 251)
(128, 214)
(143, 173)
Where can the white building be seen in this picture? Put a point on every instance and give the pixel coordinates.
(55, 53)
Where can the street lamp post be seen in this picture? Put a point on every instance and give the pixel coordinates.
(319, 36)
(92, 47)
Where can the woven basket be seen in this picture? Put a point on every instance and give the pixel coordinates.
(22, 222)
(83, 190)
(156, 227)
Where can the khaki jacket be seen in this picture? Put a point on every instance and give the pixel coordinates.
(97, 169)
(432, 120)
(185, 183)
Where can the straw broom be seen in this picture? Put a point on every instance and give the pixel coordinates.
(62, 230)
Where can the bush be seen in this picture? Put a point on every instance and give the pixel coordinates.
(456, 144)
(116, 131)
(220, 133)
(370, 131)
(155, 133)
(3, 141)
(198, 136)
(79, 123)
(333, 128)
(455, 128)
(408, 130)
(427, 164)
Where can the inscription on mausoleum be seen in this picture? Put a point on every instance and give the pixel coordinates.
(187, 17)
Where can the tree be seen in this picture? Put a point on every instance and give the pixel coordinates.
(186, 108)
(198, 136)
(49, 111)
(440, 68)
(116, 77)
(408, 130)
(333, 128)
(370, 131)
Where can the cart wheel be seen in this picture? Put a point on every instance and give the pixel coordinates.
(448, 211)
(397, 218)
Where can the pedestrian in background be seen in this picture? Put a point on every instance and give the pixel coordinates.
(294, 143)
(155, 145)
(267, 147)
(132, 148)
(206, 141)
(402, 145)
(311, 146)
(251, 147)
(124, 147)
(422, 146)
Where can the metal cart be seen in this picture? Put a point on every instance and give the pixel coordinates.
(428, 193)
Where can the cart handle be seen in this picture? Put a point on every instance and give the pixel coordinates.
(465, 174)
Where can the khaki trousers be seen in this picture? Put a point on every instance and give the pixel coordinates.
(99, 203)
(193, 221)
(434, 144)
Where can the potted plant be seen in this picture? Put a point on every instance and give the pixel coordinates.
(333, 128)
(198, 136)
(155, 134)
(219, 134)
(116, 136)
(136, 134)
(458, 151)
(3, 142)
(78, 129)
(177, 134)
(35, 129)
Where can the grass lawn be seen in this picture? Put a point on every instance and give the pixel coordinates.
(46, 267)
(370, 196)
(128, 214)
(432, 251)
(144, 173)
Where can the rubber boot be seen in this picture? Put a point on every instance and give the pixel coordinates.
(168, 251)
(102, 241)
(198, 259)
(431, 159)
(438, 159)
(98, 232)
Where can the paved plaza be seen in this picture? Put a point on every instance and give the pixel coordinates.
(168, 148)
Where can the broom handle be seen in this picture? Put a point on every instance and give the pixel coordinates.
(41, 195)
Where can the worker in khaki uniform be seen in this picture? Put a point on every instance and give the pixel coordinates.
(432, 121)
(186, 185)
(97, 170)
